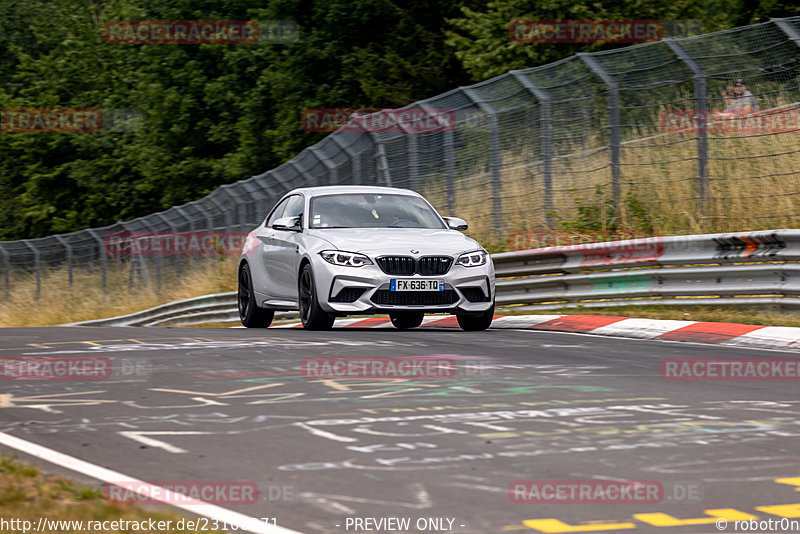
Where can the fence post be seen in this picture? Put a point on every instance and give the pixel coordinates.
(380, 154)
(6, 271)
(546, 121)
(225, 213)
(494, 147)
(68, 250)
(788, 29)
(159, 257)
(137, 261)
(271, 195)
(333, 175)
(613, 123)
(413, 160)
(224, 190)
(308, 179)
(354, 158)
(412, 156)
(449, 157)
(103, 258)
(38, 267)
(701, 107)
(188, 219)
(174, 229)
(206, 215)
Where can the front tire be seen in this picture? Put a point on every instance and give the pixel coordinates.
(406, 320)
(312, 315)
(476, 323)
(249, 313)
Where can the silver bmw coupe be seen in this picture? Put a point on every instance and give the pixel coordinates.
(333, 251)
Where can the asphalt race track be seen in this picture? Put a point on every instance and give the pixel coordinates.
(217, 406)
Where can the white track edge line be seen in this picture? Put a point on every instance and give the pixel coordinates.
(223, 515)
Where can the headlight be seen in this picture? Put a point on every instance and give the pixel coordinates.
(472, 259)
(349, 259)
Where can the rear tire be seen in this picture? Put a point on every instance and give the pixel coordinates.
(406, 319)
(312, 315)
(249, 313)
(476, 323)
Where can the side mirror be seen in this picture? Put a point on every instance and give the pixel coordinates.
(287, 223)
(454, 223)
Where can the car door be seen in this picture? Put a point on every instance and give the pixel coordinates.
(283, 257)
(263, 284)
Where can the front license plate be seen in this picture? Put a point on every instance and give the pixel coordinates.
(415, 284)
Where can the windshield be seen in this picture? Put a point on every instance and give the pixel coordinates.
(365, 210)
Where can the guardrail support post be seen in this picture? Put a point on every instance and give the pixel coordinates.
(546, 121)
(700, 118)
(613, 123)
(494, 147)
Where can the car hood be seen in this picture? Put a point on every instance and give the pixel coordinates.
(399, 241)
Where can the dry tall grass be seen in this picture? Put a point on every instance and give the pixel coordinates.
(59, 304)
(752, 185)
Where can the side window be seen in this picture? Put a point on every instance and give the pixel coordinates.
(295, 207)
(277, 212)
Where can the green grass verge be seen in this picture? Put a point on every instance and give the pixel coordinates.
(27, 494)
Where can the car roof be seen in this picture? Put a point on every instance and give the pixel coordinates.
(339, 189)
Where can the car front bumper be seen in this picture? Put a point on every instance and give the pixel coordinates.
(467, 290)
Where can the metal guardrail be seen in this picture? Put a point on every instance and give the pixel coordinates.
(163, 315)
(746, 268)
(217, 308)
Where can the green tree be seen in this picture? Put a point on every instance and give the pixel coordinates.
(480, 37)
